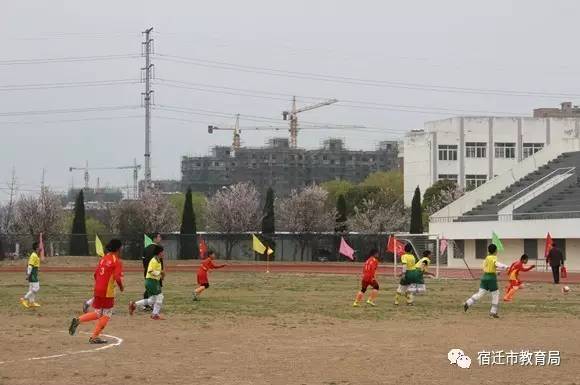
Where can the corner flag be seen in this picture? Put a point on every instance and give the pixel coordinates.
(99, 246)
(259, 247)
(496, 241)
(148, 241)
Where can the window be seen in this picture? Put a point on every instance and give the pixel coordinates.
(448, 152)
(476, 149)
(452, 177)
(474, 181)
(481, 248)
(505, 150)
(532, 148)
(459, 250)
(531, 248)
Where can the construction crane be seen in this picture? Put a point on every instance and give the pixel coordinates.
(135, 167)
(292, 115)
(237, 130)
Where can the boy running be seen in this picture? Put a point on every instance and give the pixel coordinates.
(488, 282)
(514, 277)
(422, 267)
(153, 279)
(29, 299)
(368, 279)
(108, 272)
(410, 276)
(202, 274)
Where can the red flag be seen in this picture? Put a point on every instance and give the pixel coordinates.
(548, 247)
(202, 249)
(395, 246)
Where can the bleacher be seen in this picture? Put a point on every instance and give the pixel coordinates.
(556, 202)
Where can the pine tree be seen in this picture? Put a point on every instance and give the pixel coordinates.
(341, 214)
(416, 213)
(79, 244)
(188, 232)
(268, 219)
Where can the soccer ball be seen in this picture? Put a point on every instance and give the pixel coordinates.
(566, 289)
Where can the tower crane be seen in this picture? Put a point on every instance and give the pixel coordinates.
(135, 167)
(292, 115)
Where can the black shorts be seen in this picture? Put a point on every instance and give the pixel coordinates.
(366, 283)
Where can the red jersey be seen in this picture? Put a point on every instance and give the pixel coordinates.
(370, 268)
(515, 268)
(108, 271)
(207, 264)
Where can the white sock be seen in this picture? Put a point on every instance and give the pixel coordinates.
(29, 296)
(89, 302)
(494, 301)
(476, 297)
(142, 303)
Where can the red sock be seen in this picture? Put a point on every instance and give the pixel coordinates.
(89, 317)
(100, 325)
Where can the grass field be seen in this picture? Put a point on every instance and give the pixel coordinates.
(255, 328)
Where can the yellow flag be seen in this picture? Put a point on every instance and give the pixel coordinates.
(99, 246)
(257, 245)
(270, 251)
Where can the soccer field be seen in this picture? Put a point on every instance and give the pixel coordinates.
(257, 328)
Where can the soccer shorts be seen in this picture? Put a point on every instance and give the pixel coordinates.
(515, 283)
(152, 286)
(410, 277)
(489, 282)
(369, 282)
(103, 302)
(202, 278)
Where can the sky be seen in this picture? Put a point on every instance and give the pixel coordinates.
(391, 64)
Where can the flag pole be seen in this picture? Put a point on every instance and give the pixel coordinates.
(267, 261)
(437, 255)
(395, 256)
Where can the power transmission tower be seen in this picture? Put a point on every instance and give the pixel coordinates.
(10, 208)
(147, 75)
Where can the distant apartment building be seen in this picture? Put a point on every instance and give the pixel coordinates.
(566, 110)
(284, 168)
(472, 150)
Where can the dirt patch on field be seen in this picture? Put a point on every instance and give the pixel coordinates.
(289, 350)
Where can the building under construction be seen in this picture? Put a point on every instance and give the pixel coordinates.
(283, 167)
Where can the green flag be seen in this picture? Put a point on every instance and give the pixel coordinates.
(148, 241)
(496, 241)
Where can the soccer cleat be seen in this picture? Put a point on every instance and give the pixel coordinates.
(97, 341)
(369, 302)
(411, 303)
(85, 307)
(506, 299)
(493, 315)
(24, 302)
(195, 297)
(355, 304)
(74, 324)
(157, 317)
(132, 307)
(465, 307)
(35, 304)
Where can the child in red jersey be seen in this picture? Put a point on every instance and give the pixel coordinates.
(202, 274)
(109, 272)
(514, 277)
(368, 279)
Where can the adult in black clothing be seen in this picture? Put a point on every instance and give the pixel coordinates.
(556, 260)
(148, 254)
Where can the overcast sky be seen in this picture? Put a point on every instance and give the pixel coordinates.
(400, 48)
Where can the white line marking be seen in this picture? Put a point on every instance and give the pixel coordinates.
(118, 341)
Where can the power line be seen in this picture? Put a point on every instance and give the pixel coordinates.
(46, 86)
(68, 59)
(358, 81)
(70, 110)
(72, 120)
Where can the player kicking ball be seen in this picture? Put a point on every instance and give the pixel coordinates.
(368, 279)
(488, 282)
(422, 267)
(410, 277)
(109, 272)
(153, 279)
(514, 276)
(203, 272)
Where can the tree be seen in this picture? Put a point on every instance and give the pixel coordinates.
(335, 188)
(199, 206)
(416, 213)
(373, 218)
(268, 218)
(44, 213)
(356, 195)
(341, 216)
(441, 194)
(234, 209)
(188, 231)
(306, 211)
(388, 181)
(79, 244)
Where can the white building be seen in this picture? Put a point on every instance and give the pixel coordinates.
(472, 150)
